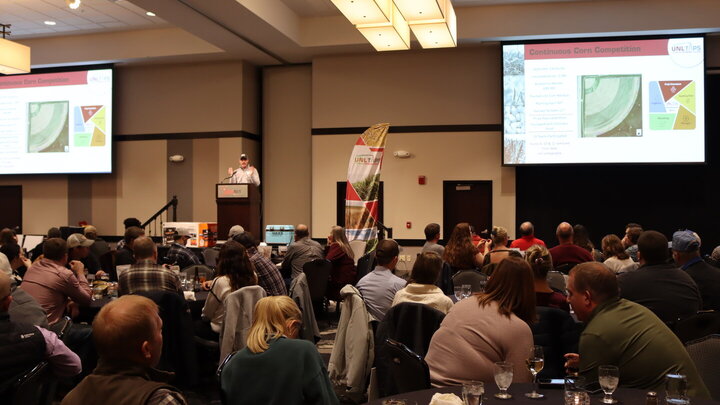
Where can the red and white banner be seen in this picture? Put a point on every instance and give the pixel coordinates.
(363, 184)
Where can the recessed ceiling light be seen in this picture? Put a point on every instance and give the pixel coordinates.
(50, 22)
(150, 14)
(73, 4)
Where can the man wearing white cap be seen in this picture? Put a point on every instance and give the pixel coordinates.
(245, 173)
(79, 249)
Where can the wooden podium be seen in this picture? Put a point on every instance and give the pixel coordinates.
(238, 204)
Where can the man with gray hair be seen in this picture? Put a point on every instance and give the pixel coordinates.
(686, 252)
(301, 251)
(146, 275)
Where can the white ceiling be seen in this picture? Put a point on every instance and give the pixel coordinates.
(28, 16)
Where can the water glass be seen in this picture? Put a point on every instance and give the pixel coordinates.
(472, 392)
(503, 372)
(458, 292)
(466, 290)
(577, 397)
(609, 377)
(676, 389)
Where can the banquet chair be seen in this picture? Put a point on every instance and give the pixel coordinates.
(218, 373)
(475, 278)
(35, 387)
(201, 269)
(408, 370)
(556, 281)
(317, 273)
(444, 281)
(237, 319)
(107, 264)
(365, 265)
(210, 256)
(558, 334)
(702, 324)
(564, 268)
(705, 353)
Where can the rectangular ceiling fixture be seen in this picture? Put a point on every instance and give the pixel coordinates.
(14, 58)
(389, 36)
(384, 22)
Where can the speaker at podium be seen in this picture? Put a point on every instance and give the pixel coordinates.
(238, 204)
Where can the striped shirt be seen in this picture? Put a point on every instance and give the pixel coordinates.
(182, 256)
(268, 274)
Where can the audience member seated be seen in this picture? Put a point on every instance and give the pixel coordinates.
(499, 249)
(567, 252)
(128, 223)
(460, 253)
(234, 271)
(617, 259)
(146, 275)
(24, 306)
(421, 287)
(630, 240)
(79, 249)
(128, 337)
(234, 231)
(342, 257)
(527, 237)
(179, 254)
(276, 367)
(55, 287)
(658, 285)
(301, 251)
(17, 262)
(581, 237)
(625, 334)
(541, 263)
(686, 252)
(99, 246)
(268, 275)
(378, 288)
(24, 345)
(7, 236)
(125, 254)
(715, 257)
(487, 328)
(37, 251)
(432, 237)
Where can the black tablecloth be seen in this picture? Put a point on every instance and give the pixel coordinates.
(88, 313)
(625, 396)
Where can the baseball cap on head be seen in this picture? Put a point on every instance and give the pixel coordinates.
(243, 157)
(685, 241)
(78, 239)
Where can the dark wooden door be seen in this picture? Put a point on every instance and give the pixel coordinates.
(11, 203)
(466, 201)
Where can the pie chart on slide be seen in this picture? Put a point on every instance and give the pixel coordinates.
(608, 101)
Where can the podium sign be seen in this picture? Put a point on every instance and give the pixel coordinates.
(232, 191)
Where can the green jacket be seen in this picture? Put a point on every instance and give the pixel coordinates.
(630, 336)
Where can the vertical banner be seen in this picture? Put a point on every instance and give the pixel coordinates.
(363, 185)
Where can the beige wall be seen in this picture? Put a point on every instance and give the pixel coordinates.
(452, 87)
(287, 97)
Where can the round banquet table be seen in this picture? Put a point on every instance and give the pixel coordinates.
(88, 313)
(625, 396)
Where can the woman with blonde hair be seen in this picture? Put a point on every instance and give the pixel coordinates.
(460, 253)
(539, 259)
(486, 328)
(339, 253)
(276, 367)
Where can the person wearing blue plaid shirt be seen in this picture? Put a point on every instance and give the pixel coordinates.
(269, 277)
(179, 254)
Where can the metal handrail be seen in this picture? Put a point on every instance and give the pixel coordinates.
(164, 210)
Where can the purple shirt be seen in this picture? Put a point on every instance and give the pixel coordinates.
(52, 285)
(63, 361)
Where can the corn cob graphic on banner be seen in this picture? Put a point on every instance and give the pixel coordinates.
(363, 185)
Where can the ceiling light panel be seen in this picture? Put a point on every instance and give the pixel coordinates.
(365, 11)
(414, 10)
(437, 33)
(391, 36)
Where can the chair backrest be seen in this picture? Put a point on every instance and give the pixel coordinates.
(407, 369)
(698, 326)
(558, 334)
(318, 273)
(565, 268)
(705, 353)
(107, 264)
(237, 319)
(358, 248)
(556, 281)
(444, 281)
(202, 270)
(475, 278)
(36, 387)
(300, 293)
(365, 264)
(210, 256)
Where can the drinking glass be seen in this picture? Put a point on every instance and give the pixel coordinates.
(458, 292)
(472, 392)
(535, 363)
(503, 378)
(608, 376)
(676, 389)
(466, 290)
(577, 397)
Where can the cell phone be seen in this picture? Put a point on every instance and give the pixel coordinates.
(551, 382)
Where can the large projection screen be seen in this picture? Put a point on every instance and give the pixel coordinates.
(611, 101)
(57, 122)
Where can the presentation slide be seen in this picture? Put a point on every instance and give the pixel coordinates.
(624, 101)
(56, 122)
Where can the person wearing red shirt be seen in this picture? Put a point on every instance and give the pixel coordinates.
(527, 237)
